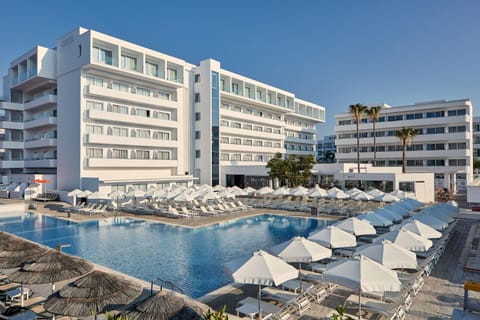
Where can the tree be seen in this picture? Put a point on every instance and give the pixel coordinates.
(294, 170)
(340, 315)
(216, 315)
(406, 136)
(277, 168)
(305, 165)
(357, 111)
(373, 113)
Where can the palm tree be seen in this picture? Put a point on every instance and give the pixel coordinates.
(357, 111)
(406, 136)
(373, 113)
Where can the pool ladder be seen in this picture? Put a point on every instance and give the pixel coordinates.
(164, 283)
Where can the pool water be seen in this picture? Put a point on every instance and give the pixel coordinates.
(192, 259)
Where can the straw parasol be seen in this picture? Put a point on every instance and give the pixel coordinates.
(96, 292)
(164, 306)
(15, 251)
(51, 267)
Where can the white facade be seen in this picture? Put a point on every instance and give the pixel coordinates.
(241, 123)
(443, 144)
(476, 137)
(106, 114)
(326, 149)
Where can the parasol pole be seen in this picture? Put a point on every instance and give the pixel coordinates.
(21, 294)
(259, 302)
(360, 304)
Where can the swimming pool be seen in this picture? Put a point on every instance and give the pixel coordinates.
(192, 259)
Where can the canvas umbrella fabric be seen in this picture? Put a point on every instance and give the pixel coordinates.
(353, 191)
(74, 194)
(283, 191)
(421, 229)
(375, 219)
(250, 190)
(95, 292)
(264, 190)
(15, 251)
(375, 192)
(431, 221)
(334, 237)
(398, 193)
(361, 196)
(164, 306)
(363, 275)
(389, 214)
(406, 239)
(265, 269)
(317, 192)
(356, 226)
(386, 198)
(389, 255)
(335, 193)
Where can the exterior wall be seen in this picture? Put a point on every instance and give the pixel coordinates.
(451, 162)
(476, 137)
(326, 146)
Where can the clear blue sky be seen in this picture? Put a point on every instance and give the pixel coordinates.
(334, 53)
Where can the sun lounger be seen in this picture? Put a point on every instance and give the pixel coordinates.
(296, 285)
(369, 304)
(249, 306)
(278, 294)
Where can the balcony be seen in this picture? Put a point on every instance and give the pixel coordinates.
(133, 120)
(126, 141)
(251, 133)
(236, 163)
(11, 144)
(299, 140)
(130, 163)
(43, 101)
(41, 143)
(14, 125)
(300, 152)
(41, 122)
(250, 118)
(248, 148)
(10, 164)
(299, 129)
(41, 163)
(33, 80)
(238, 98)
(129, 97)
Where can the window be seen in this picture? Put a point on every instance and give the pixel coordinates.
(224, 156)
(247, 142)
(457, 162)
(397, 117)
(236, 157)
(94, 153)
(142, 154)
(119, 109)
(79, 50)
(164, 95)
(161, 135)
(197, 135)
(248, 92)
(120, 86)
(438, 130)
(435, 146)
(237, 125)
(143, 91)
(197, 78)
(247, 127)
(258, 157)
(222, 84)
(92, 129)
(457, 129)
(236, 141)
(414, 163)
(151, 69)
(259, 94)
(436, 163)
(258, 128)
(457, 146)
(129, 63)
(413, 116)
(122, 188)
(344, 122)
(102, 55)
(235, 88)
(119, 154)
(172, 74)
(161, 115)
(93, 105)
(197, 116)
(143, 134)
(268, 130)
(142, 113)
(237, 108)
(415, 147)
(435, 114)
(94, 81)
(224, 123)
(197, 97)
(119, 132)
(258, 143)
(224, 139)
(268, 144)
(458, 112)
(163, 155)
(270, 98)
(197, 154)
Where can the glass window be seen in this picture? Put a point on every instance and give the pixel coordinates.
(224, 123)
(119, 109)
(142, 113)
(144, 134)
(224, 139)
(197, 97)
(94, 81)
(163, 155)
(102, 55)
(129, 63)
(120, 132)
(197, 154)
(197, 116)
(164, 95)
(435, 114)
(151, 69)
(247, 157)
(120, 86)
(235, 88)
(94, 153)
(413, 116)
(119, 154)
(197, 135)
(142, 154)
(161, 135)
(93, 129)
(457, 129)
(143, 91)
(224, 156)
(236, 157)
(93, 105)
(458, 112)
(197, 78)
(172, 74)
(161, 115)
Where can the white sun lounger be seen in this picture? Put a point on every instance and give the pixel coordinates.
(278, 294)
(249, 306)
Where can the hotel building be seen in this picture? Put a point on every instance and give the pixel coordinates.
(102, 114)
(443, 144)
(476, 137)
(326, 149)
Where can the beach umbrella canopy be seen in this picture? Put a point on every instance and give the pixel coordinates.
(239, 192)
(265, 269)
(317, 192)
(150, 192)
(389, 254)
(164, 306)
(398, 194)
(353, 191)
(406, 239)
(389, 214)
(117, 194)
(299, 192)
(375, 219)
(15, 251)
(51, 267)
(264, 190)
(421, 229)
(335, 193)
(356, 226)
(210, 196)
(386, 198)
(374, 192)
(98, 196)
(299, 249)
(218, 188)
(226, 194)
(96, 292)
(250, 190)
(363, 275)
(184, 197)
(438, 214)
(431, 221)
(135, 193)
(84, 193)
(334, 237)
(282, 191)
(361, 196)
(395, 207)
(74, 193)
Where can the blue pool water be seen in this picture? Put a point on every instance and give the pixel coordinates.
(193, 259)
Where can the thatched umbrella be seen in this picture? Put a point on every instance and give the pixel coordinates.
(15, 251)
(164, 306)
(96, 292)
(51, 267)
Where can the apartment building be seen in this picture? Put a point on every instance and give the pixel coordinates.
(476, 137)
(241, 123)
(104, 114)
(326, 149)
(443, 144)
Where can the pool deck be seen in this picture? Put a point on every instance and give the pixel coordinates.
(440, 298)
